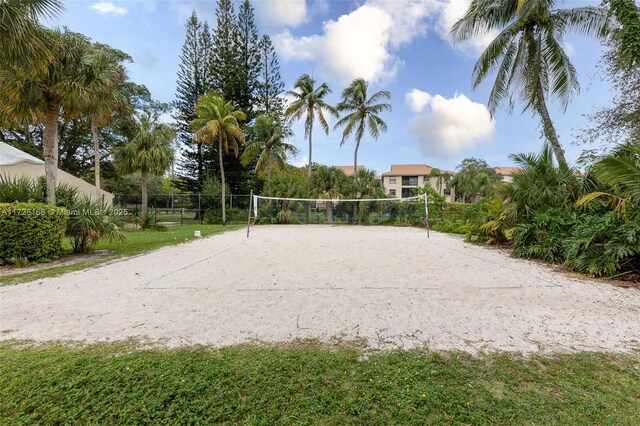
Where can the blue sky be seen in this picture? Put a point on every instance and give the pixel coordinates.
(399, 45)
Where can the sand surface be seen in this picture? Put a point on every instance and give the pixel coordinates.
(392, 287)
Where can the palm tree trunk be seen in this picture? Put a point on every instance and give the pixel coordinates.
(269, 172)
(96, 149)
(50, 142)
(549, 130)
(224, 211)
(330, 212)
(355, 170)
(145, 199)
(309, 168)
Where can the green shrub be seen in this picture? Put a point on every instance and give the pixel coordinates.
(22, 189)
(604, 245)
(544, 237)
(31, 231)
(88, 222)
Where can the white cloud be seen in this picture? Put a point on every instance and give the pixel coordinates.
(362, 42)
(108, 8)
(417, 100)
(452, 126)
(282, 12)
(451, 12)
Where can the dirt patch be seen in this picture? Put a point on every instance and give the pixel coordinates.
(65, 260)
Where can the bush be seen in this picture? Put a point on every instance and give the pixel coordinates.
(88, 222)
(544, 237)
(30, 231)
(604, 245)
(21, 189)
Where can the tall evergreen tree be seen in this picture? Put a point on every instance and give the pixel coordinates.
(194, 80)
(247, 70)
(270, 84)
(223, 58)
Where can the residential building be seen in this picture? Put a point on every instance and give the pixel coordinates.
(506, 173)
(403, 178)
(348, 170)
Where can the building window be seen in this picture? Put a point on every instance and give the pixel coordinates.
(392, 192)
(425, 180)
(447, 191)
(409, 180)
(392, 179)
(406, 192)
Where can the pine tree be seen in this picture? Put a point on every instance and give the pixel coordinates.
(223, 58)
(270, 84)
(194, 80)
(247, 46)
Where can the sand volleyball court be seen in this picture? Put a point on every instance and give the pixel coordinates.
(391, 287)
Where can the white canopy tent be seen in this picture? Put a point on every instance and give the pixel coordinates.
(15, 163)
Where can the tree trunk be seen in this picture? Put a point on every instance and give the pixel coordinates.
(330, 212)
(96, 149)
(269, 172)
(355, 179)
(222, 189)
(549, 130)
(200, 166)
(50, 143)
(144, 222)
(309, 168)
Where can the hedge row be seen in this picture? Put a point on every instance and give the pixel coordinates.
(30, 231)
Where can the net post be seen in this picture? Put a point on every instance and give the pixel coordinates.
(426, 211)
(249, 213)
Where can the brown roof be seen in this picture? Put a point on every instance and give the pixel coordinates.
(408, 170)
(348, 170)
(506, 171)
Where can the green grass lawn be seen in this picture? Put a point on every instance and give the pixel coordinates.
(136, 242)
(311, 384)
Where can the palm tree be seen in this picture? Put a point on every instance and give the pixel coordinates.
(22, 40)
(148, 152)
(108, 75)
(285, 185)
(268, 143)
(363, 112)
(368, 185)
(63, 83)
(308, 102)
(527, 54)
(328, 183)
(218, 120)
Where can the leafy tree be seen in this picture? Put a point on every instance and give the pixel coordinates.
(626, 37)
(618, 123)
(444, 178)
(23, 42)
(194, 80)
(247, 64)
(474, 178)
(148, 152)
(270, 84)
(267, 142)
(527, 54)
(362, 114)
(328, 183)
(308, 102)
(63, 82)
(219, 121)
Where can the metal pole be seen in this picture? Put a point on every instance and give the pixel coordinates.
(249, 214)
(426, 211)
